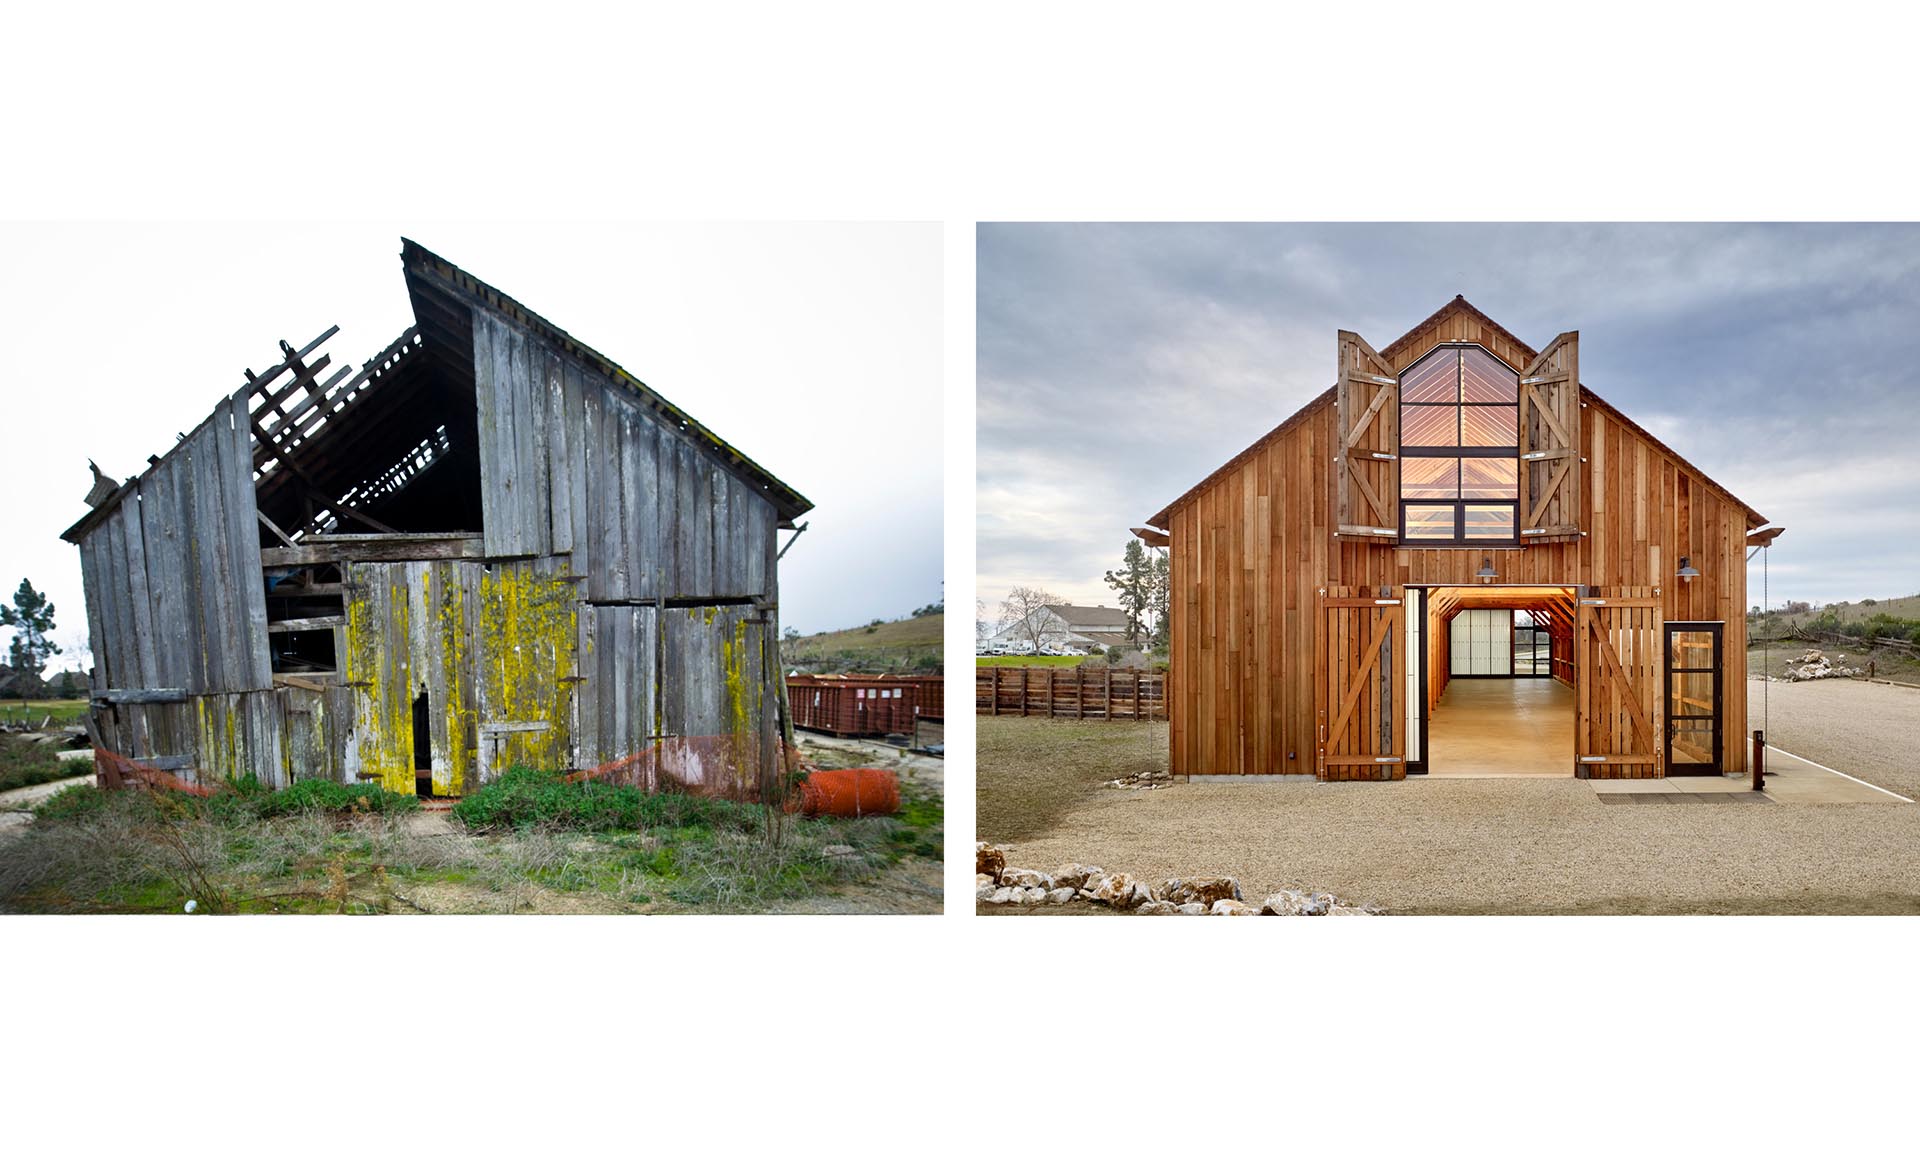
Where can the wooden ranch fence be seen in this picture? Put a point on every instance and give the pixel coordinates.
(1070, 693)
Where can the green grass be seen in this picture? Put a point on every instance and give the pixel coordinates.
(23, 763)
(17, 711)
(546, 846)
(912, 645)
(1030, 771)
(1029, 661)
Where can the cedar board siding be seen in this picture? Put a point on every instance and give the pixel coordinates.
(1252, 549)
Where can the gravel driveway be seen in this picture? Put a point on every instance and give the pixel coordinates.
(1867, 730)
(1458, 846)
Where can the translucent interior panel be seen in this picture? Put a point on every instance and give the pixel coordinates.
(1490, 479)
(1436, 426)
(1429, 478)
(1492, 426)
(1429, 521)
(1460, 644)
(1435, 380)
(1483, 379)
(1489, 522)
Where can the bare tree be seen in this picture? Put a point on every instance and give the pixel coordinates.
(1022, 613)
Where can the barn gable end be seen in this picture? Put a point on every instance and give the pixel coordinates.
(1257, 552)
(487, 546)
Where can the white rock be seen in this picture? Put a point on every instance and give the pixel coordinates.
(984, 888)
(1119, 890)
(1194, 909)
(1025, 878)
(1003, 895)
(1062, 895)
(1232, 908)
(1156, 908)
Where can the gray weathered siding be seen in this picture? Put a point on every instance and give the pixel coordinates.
(571, 462)
(172, 574)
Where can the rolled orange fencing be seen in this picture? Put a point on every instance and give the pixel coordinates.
(113, 770)
(849, 792)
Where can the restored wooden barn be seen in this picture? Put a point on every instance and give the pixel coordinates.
(489, 545)
(1457, 560)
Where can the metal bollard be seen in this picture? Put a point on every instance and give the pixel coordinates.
(1759, 760)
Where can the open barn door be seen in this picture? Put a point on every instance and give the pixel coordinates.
(1617, 698)
(1366, 476)
(1363, 669)
(1550, 442)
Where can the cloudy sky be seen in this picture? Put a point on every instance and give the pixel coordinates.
(815, 349)
(1120, 364)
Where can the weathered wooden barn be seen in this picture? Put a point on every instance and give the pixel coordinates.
(490, 545)
(1458, 560)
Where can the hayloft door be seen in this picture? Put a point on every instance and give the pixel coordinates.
(1362, 646)
(1366, 461)
(1618, 714)
(1550, 482)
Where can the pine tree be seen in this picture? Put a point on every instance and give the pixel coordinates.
(1131, 582)
(31, 619)
(1158, 595)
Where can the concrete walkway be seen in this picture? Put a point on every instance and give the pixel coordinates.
(1790, 780)
(14, 816)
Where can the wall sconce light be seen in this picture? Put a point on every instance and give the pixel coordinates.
(1487, 574)
(1687, 571)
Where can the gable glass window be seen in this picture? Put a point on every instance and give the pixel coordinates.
(1459, 448)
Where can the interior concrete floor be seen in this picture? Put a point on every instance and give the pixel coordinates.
(1502, 728)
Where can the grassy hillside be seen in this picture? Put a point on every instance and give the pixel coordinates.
(1862, 621)
(911, 645)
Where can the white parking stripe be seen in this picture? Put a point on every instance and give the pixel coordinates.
(1837, 772)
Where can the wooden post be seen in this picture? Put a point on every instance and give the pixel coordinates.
(1106, 701)
(1024, 677)
(1759, 760)
(1050, 708)
(1079, 692)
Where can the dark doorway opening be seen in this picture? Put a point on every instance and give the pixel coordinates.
(422, 748)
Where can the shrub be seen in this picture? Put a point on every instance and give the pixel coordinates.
(528, 798)
(73, 803)
(24, 763)
(320, 796)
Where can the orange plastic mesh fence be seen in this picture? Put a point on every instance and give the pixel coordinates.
(703, 765)
(113, 770)
(848, 792)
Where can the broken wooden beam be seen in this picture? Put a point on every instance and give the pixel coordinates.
(141, 695)
(391, 546)
(308, 624)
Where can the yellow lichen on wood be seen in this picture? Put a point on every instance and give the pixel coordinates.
(528, 621)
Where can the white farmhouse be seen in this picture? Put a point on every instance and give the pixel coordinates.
(1071, 627)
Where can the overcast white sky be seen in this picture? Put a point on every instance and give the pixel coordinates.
(815, 349)
(1119, 365)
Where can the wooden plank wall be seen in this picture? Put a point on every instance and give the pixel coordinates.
(172, 575)
(618, 702)
(571, 463)
(175, 601)
(716, 685)
(1252, 549)
(492, 646)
